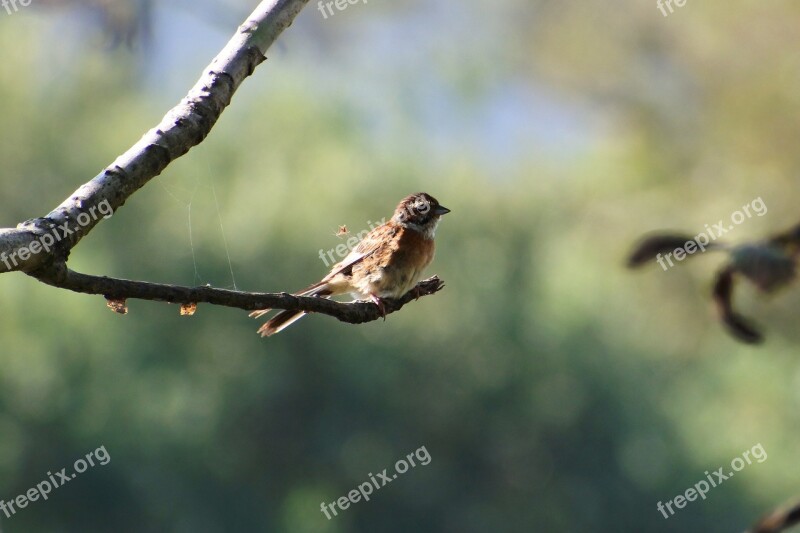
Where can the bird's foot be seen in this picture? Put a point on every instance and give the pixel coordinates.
(379, 302)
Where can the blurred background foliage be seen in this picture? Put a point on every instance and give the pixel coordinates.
(554, 390)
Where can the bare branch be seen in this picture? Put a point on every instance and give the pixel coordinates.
(183, 127)
(119, 290)
(40, 247)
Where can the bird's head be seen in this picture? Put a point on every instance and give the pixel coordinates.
(420, 212)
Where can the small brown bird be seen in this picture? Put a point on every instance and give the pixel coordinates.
(387, 263)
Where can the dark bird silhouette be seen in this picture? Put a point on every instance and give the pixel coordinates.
(770, 265)
(780, 520)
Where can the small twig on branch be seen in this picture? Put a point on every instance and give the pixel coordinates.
(119, 290)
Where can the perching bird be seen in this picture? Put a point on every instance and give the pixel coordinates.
(387, 263)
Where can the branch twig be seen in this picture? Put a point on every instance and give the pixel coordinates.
(122, 289)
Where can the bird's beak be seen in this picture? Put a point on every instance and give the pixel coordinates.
(440, 210)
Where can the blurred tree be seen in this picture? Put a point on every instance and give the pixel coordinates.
(545, 379)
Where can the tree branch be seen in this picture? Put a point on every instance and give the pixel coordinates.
(118, 290)
(29, 246)
(41, 247)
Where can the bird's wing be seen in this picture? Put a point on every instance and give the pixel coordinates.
(373, 242)
(739, 326)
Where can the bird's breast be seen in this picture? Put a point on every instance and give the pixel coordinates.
(412, 253)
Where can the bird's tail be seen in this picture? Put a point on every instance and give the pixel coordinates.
(279, 322)
(286, 318)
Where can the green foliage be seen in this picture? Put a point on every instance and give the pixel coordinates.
(554, 390)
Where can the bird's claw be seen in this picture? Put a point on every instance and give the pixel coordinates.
(378, 302)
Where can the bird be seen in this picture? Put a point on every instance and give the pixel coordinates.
(769, 264)
(386, 263)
